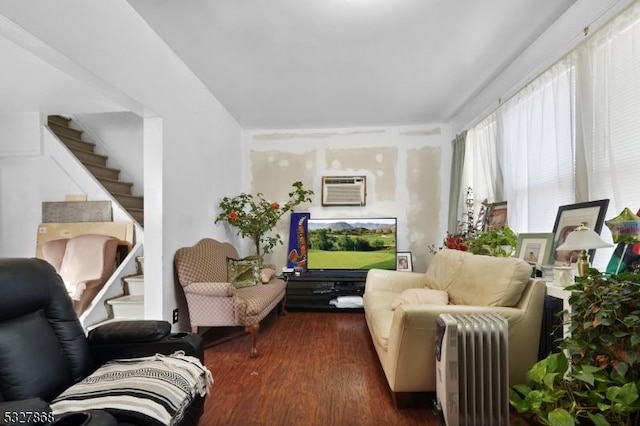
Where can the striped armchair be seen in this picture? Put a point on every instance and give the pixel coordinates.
(213, 301)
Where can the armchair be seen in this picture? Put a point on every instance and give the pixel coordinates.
(84, 262)
(213, 301)
(45, 354)
(404, 336)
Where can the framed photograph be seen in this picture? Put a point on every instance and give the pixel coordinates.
(403, 261)
(590, 214)
(496, 216)
(534, 248)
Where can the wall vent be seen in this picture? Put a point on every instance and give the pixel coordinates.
(344, 190)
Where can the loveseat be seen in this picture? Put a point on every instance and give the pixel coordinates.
(48, 366)
(456, 282)
(223, 290)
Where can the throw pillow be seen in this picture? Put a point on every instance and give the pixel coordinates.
(244, 272)
(266, 274)
(425, 296)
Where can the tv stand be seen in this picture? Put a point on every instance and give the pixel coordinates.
(314, 292)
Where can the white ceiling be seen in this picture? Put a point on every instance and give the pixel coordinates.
(335, 63)
(314, 63)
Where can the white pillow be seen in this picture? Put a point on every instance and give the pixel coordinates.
(424, 296)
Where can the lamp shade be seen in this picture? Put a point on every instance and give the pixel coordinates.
(583, 238)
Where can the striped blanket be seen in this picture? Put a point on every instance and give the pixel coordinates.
(153, 390)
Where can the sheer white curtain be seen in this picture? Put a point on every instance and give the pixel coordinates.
(480, 170)
(608, 117)
(536, 150)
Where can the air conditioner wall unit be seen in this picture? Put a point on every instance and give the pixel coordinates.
(344, 190)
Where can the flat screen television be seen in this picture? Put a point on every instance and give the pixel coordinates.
(351, 244)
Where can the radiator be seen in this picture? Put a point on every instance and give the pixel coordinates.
(472, 373)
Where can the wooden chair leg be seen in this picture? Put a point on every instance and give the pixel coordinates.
(282, 306)
(253, 332)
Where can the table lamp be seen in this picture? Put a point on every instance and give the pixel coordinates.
(583, 239)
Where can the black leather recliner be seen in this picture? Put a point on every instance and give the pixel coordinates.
(44, 350)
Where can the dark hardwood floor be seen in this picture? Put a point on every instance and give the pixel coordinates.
(314, 368)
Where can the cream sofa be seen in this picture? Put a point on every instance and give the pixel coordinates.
(404, 337)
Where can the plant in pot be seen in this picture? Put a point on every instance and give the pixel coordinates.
(597, 381)
(255, 217)
(493, 242)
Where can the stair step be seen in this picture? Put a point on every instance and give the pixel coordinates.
(135, 285)
(77, 144)
(90, 157)
(116, 186)
(127, 307)
(140, 261)
(58, 119)
(103, 172)
(65, 130)
(137, 214)
(129, 201)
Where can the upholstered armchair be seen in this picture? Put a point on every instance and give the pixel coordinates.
(214, 301)
(132, 372)
(84, 262)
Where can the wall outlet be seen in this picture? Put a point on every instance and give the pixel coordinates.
(175, 315)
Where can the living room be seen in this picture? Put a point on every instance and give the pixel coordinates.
(192, 151)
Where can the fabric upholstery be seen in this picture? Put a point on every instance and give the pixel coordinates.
(404, 338)
(212, 300)
(85, 263)
(244, 272)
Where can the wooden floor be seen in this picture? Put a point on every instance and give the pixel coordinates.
(314, 368)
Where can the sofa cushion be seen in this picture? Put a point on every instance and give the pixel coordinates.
(478, 280)
(244, 272)
(266, 274)
(425, 296)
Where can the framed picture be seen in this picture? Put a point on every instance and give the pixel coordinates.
(590, 214)
(534, 248)
(496, 216)
(403, 261)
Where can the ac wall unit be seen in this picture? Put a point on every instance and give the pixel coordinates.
(344, 190)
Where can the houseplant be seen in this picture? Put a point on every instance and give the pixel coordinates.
(598, 382)
(493, 242)
(255, 217)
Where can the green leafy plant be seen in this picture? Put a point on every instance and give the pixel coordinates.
(493, 242)
(255, 217)
(598, 383)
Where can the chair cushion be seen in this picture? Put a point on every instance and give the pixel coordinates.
(478, 280)
(244, 272)
(424, 296)
(152, 390)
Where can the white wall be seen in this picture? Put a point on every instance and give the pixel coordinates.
(195, 142)
(407, 171)
(565, 34)
(118, 135)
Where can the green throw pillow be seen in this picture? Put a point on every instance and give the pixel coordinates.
(244, 272)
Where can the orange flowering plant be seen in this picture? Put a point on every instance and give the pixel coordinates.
(255, 217)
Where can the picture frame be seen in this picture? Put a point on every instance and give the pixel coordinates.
(570, 216)
(535, 248)
(496, 217)
(404, 262)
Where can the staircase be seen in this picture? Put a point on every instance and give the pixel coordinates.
(131, 305)
(97, 165)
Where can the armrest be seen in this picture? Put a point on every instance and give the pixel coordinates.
(211, 289)
(120, 340)
(378, 279)
(14, 412)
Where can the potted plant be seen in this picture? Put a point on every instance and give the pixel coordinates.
(493, 242)
(597, 380)
(255, 217)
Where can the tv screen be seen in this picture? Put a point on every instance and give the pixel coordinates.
(351, 244)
